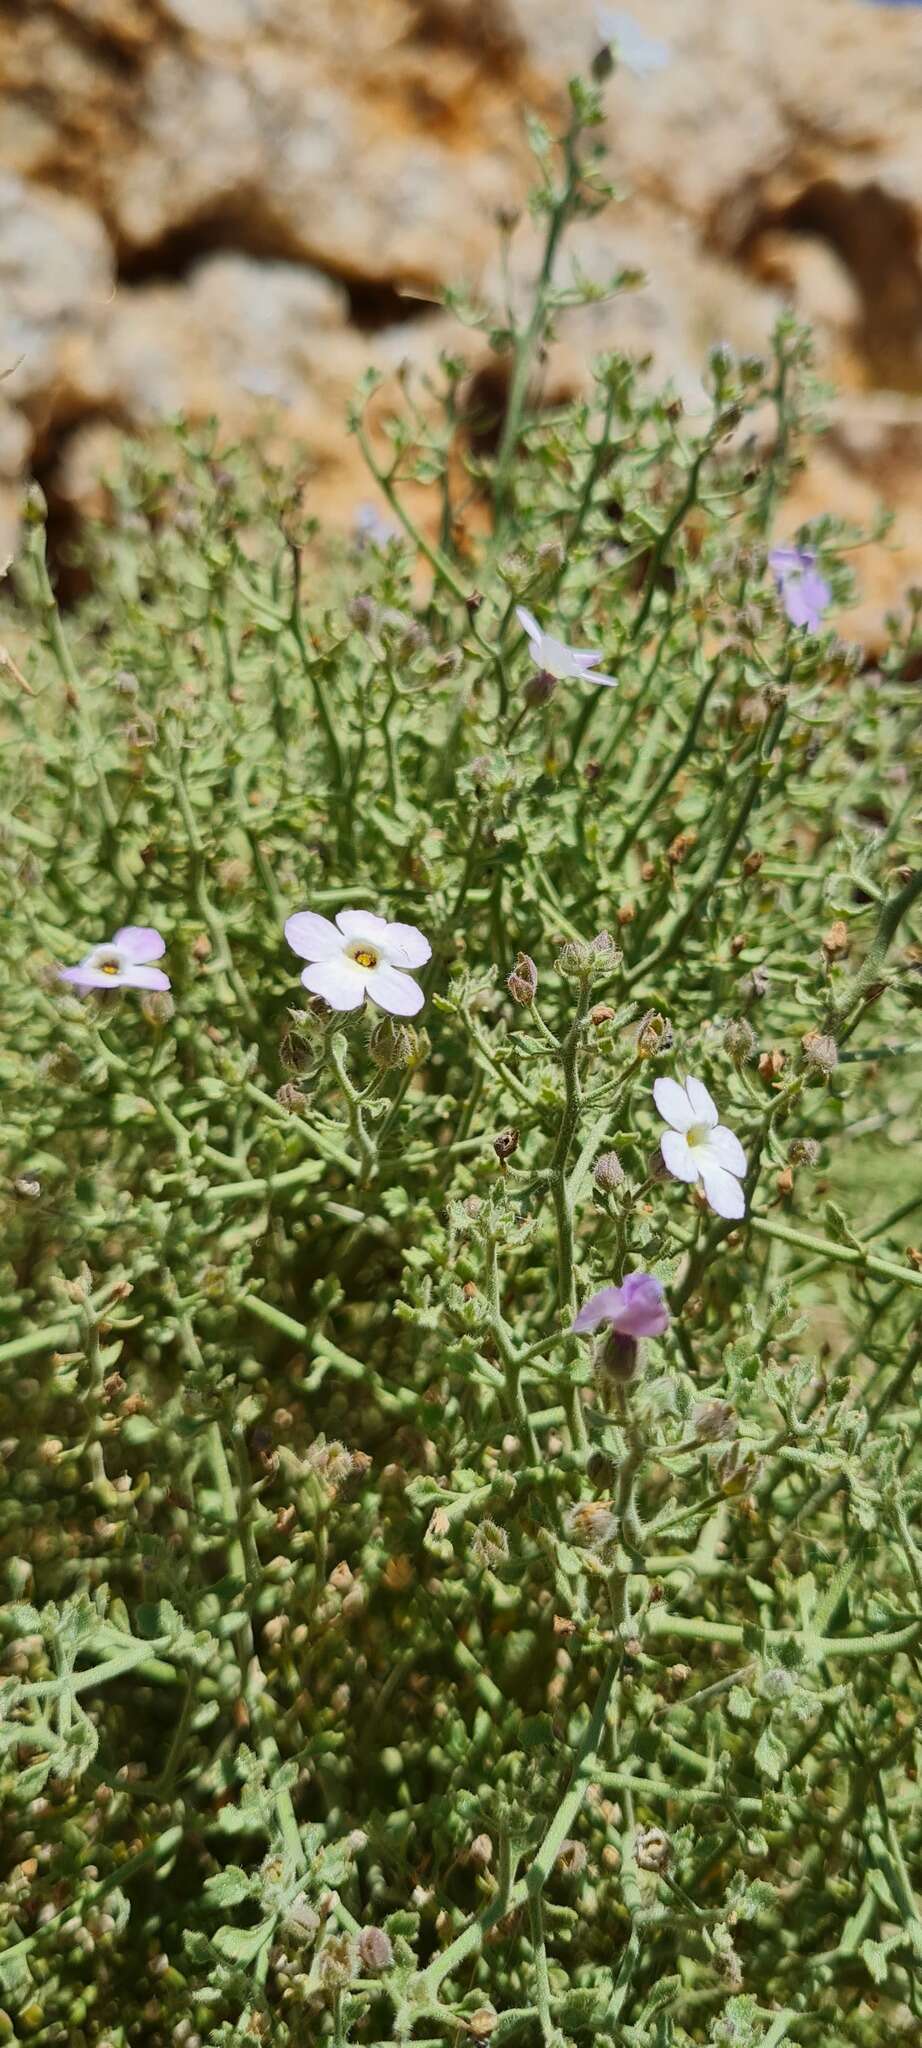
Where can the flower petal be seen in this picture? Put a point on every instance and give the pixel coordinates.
(312, 937)
(677, 1155)
(725, 1147)
(138, 976)
(723, 1190)
(85, 976)
(611, 682)
(362, 924)
(704, 1107)
(339, 982)
(407, 947)
(673, 1104)
(643, 1311)
(394, 991)
(141, 942)
(528, 622)
(600, 1308)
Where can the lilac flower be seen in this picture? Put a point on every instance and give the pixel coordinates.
(698, 1147)
(361, 954)
(123, 962)
(639, 53)
(804, 592)
(555, 658)
(371, 527)
(635, 1309)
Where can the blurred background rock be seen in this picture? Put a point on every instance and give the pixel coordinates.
(231, 206)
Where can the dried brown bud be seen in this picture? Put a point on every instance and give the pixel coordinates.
(680, 847)
(480, 1852)
(157, 1006)
(482, 2022)
(233, 875)
(27, 1187)
(771, 1064)
(654, 1034)
(608, 1172)
(712, 1420)
(291, 1098)
(835, 941)
(201, 947)
(821, 1053)
(591, 1523)
(601, 1013)
(625, 913)
(784, 1181)
(522, 983)
(375, 1949)
(506, 1143)
(803, 1152)
(755, 985)
(752, 863)
(571, 1858)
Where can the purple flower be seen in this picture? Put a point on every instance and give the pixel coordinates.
(556, 658)
(123, 962)
(804, 592)
(635, 1309)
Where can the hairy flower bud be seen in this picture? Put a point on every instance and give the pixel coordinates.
(652, 1849)
(821, 1053)
(616, 1356)
(803, 1152)
(157, 1006)
(489, 1545)
(712, 1420)
(522, 983)
(608, 1172)
(591, 1523)
(362, 612)
(740, 1041)
(506, 1143)
(392, 1043)
(375, 1949)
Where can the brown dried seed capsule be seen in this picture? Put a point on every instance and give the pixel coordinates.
(652, 1849)
(821, 1052)
(375, 1949)
(835, 941)
(506, 1143)
(522, 983)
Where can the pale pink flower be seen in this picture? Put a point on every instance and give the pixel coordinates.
(555, 658)
(698, 1147)
(123, 962)
(360, 955)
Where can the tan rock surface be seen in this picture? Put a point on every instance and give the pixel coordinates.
(218, 206)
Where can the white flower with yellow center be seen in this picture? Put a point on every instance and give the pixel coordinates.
(360, 955)
(698, 1147)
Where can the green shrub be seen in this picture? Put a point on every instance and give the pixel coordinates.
(386, 1660)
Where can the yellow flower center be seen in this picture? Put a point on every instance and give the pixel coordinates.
(697, 1135)
(364, 957)
(109, 966)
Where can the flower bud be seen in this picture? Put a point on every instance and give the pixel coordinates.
(591, 1523)
(608, 1172)
(157, 1006)
(821, 1053)
(740, 1041)
(571, 1858)
(362, 612)
(652, 1849)
(375, 1949)
(480, 1852)
(489, 1546)
(233, 875)
(712, 1420)
(291, 1098)
(601, 1013)
(803, 1152)
(755, 985)
(616, 1357)
(540, 687)
(506, 1143)
(522, 983)
(392, 1044)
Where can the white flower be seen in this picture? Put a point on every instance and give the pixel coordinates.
(698, 1147)
(556, 658)
(638, 53)
(122, 962)
(361, 954)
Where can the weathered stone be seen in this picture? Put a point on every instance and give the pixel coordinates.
(269, 180)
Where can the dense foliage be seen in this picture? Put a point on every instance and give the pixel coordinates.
(386, 1661)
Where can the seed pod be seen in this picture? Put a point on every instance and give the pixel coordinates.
(505, 1144)
(740, 1041)
(803, 1152)
(540, 687)
(522, 983)
(608, 1172)
(654, 1034)
(291, 1098)
(375, 1949)
(821, 1053)
(712, 1420)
